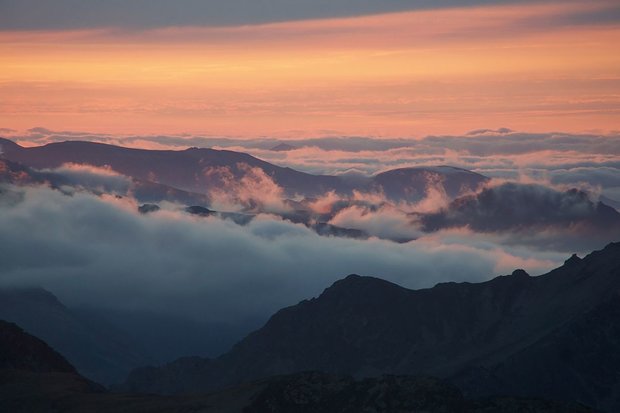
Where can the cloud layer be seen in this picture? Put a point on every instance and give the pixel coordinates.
(141, 14)
(100, 252)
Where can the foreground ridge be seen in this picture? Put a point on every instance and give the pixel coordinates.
(470, 334)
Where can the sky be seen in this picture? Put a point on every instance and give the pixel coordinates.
(300, 69)
(526, 93)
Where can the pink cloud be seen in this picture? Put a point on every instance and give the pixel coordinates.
(254, 191)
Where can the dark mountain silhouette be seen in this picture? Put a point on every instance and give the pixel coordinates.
(34, 378)
(410, 184)
(611, 202)
(105, 345)
(365, 326)
(325, 229)
(283, 147)
(321, 228)
(99, 351)
(199, 210)
(148, 208)
(21, 351)
(514, 206)
(313, 392)
(580, 360)
(32, 373)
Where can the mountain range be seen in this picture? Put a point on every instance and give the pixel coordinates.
(105, 345)
(197, 178)
(554, 335)
(35, 378)
(200, 170)
(100, 350)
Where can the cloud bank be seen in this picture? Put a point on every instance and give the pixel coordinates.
(143, 14)
(100, 252)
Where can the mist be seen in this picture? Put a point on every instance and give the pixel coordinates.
(99, 252)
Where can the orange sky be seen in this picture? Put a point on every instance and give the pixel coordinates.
(524, 67)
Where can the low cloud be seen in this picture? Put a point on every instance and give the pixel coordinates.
(100, 252)
(91, 178)
(385, 222)
(153, 14)
(253, 191)
(532, 210)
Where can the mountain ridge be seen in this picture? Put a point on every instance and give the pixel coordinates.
(34, 378)
(99, 350)
(366, 326)
(199, 169)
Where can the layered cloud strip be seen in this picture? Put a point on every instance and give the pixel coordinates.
(140, 14)
(560, 160)
(99, 251)
(302, 68)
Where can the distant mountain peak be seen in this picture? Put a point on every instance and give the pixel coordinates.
(148, 208)
(612, 247)
(7, 145)
(357, 283)
(610, 251)
(573, 260)
(199, 210)
(30, 294)
(283, 147)
(519, 273)
(20, 350)
(441, 169)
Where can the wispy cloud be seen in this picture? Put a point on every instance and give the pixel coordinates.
(143, 14)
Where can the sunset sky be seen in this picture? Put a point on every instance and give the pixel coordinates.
(176, 172)
(263, 68)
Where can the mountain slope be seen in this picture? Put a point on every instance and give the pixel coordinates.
(410, 184)
(231, 181)
(313, 392)
(34, 378)
(512, 206)
(581, 359)
(201, 170)
(144, 191)
(99, 351)
(194, 169)
(366, 326)
(32, 373)
(21, 351)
